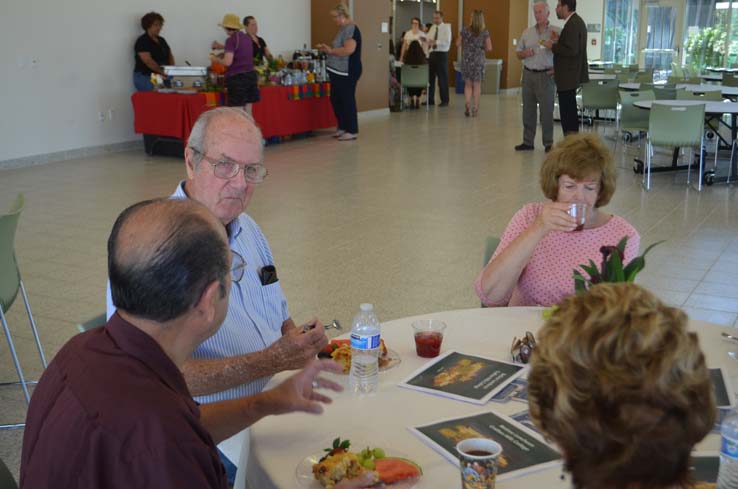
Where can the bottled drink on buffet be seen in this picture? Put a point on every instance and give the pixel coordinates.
(728, 474)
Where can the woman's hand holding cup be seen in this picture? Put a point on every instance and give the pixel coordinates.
(555, 217)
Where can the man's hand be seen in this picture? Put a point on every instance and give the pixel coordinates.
(295, 348)
(548, 43)
(529, 52)
(298, 392)
(554, 36)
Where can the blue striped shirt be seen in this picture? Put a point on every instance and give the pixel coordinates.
(255, 312)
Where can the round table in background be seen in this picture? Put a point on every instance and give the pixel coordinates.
(280, 443)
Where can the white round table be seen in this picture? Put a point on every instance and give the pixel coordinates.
(280, 443)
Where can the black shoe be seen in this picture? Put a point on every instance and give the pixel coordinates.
(443, 104)
(524, 147)
(548, 148)
(431, 103)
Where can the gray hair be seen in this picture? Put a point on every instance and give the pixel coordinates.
(199, 133)
(542, 2)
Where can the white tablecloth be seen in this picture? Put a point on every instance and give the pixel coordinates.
(279, 443)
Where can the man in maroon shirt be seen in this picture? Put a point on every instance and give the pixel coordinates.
(112, 410)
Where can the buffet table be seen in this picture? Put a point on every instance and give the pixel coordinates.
(173, 114)
(279, 443)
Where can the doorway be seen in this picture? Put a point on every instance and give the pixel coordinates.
(661, 33)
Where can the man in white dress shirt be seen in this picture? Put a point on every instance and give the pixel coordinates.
(439, 41)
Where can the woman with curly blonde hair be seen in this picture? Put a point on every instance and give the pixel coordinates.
(542, 245)
(621, 387)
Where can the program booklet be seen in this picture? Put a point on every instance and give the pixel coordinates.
(523, 451)
(469, 378)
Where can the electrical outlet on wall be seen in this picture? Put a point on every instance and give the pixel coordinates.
(101, 116)
(111, 113)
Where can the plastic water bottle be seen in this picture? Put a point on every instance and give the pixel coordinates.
(364, 375)
(728, 475)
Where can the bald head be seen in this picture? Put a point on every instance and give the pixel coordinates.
(223, 120)
(162, 254)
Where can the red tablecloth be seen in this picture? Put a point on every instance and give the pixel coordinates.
(173, 114)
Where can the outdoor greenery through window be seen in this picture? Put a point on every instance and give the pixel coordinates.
(620, 43)
(705, 33)
(692, 33)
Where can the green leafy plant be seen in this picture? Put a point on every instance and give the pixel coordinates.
(706, 47)
(612, 268)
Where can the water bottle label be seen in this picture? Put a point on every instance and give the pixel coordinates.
(360, 342)
(729, 448)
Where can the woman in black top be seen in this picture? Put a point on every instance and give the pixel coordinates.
(261, 51)
(152, 51)
(415, 56)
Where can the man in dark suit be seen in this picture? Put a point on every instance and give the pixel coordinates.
(570, 62)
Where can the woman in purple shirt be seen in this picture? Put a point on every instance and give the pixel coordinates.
(241, 80)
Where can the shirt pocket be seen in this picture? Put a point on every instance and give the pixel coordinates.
(274, 304)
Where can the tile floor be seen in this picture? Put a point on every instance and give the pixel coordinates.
(397, 218)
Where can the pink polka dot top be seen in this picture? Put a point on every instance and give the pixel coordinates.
(548, 277)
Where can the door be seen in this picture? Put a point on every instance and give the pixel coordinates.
(373, 17)
(660, 34)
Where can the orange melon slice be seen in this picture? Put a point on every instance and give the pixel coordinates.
(392, 469)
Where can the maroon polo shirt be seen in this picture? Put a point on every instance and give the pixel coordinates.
(113, 411)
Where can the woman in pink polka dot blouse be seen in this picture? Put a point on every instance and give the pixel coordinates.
(534, 263)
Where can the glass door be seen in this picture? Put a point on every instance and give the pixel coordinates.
(661, 35)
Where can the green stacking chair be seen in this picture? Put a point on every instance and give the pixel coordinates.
(599, 95)
(644, 76)
(632, 68)
(730, 80)
(96, 322)
(706, 96)
(490, 245)
(631, 118)
(661, 92)
(675, 126)
(623, 77)
(6, 478)
(414, 76)
(10, 284)
(674, 80)
(677, 70)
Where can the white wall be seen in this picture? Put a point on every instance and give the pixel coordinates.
(65, 61)
(591, 11)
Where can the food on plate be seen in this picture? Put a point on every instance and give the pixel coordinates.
(340, 351)
(335, 468)
(339, 463)
(394, 469)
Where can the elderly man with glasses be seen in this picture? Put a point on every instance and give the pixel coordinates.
(258, 338)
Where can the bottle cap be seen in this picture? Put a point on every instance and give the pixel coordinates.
(366, 307)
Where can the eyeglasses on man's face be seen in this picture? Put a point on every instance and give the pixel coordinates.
(226, 168)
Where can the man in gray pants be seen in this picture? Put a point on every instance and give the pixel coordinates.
(539, 88)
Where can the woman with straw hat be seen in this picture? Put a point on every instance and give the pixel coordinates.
(241, 80)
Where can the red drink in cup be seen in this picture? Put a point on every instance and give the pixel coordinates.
(428, 337)
(428, 345)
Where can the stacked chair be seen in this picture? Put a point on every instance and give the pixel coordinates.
(10, 284)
